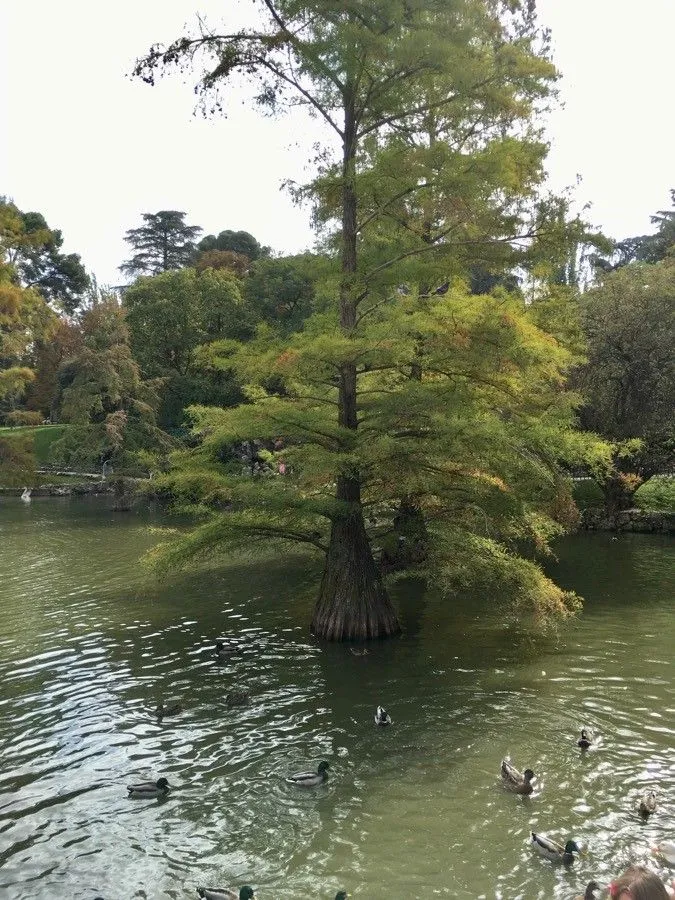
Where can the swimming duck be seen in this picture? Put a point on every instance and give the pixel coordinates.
(513, 780)
(310, 779)
(382, 717)
(355, 652)
(341, 895)
(584, 741)
(159, 788)
(168, 709)
(553, 850)
(224, 650)
(589, 893)
(245, 893)
(237, 698)
(647, 804)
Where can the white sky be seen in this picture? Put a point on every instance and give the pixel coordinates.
(92, 149)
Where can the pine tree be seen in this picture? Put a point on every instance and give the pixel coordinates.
(404, 389)
(164, 242)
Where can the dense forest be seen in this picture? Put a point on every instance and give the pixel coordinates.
(416, 393)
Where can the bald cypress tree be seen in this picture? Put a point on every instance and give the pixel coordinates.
(434, 163)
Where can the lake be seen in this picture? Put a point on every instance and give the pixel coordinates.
(90, 642)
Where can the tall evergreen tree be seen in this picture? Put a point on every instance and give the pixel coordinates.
(431, 106)
(164, 242)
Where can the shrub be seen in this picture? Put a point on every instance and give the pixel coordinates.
(657, 494)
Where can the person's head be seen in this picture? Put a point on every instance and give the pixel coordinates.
(638, 883)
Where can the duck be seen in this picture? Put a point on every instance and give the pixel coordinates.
(584, 741)
(553, 850)
(310, 779)
(666, 849)
(589, 893)
(168, 709)
(245, 893)
(341, 895)
(518, 782)
(237, 697)
(647, 804)
(159, 788)
(223, 650)
(356, 652)
(26, 495)
(382, 717)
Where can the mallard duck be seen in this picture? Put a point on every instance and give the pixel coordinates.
(159, 788)
(355, 652)
(245, 893)
(589, 893)
(513, 780)
(382, 717)
(310, 779)
(237, 698)
(224, 650)
(553, 850)
(647, 804)
(168, 709)
(341, 895)
(584, 741)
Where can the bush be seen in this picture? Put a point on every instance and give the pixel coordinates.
(657, 494)
(17, 463)
(23, 417)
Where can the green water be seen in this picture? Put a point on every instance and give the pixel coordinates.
(89, 643)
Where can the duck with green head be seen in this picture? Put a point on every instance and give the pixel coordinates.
(589, 893)
(310, 779)
(148, 789)
(244, 893)
(515, 781)
(553, 850)
(584, 741)
(341, 895)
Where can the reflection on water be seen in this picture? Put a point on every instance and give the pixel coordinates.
(89, 645)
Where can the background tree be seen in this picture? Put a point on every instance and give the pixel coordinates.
(170, 317)
(650, 248)
(628, 381)
(102, 395)
(466, 77)
(34, 250)
(281, 292)
(235, 241)
(164, 242)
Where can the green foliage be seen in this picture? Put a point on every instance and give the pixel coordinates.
(17, 462)
(588, 494)
(657, 494)
(34, 250)
(629, 379)
(110, 409)
(280, 292)
(401, 387)
(164, 242)
(170, 317)
(234, 241)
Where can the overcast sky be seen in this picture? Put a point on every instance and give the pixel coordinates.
(92, 149)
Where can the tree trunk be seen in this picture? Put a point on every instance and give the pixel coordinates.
(352, 604)
(352, 601)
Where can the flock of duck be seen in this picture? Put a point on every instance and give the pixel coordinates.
(513, 780)
(521, 783)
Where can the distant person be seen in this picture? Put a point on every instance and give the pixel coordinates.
(638, 883)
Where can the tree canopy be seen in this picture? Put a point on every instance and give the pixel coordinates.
(402, 391)
(235, 241)
(165, 241)
(34, 250)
